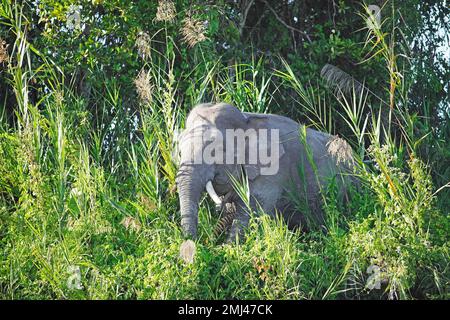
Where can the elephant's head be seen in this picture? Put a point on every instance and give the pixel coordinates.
(195, 172)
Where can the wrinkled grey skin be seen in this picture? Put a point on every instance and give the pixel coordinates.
(273, 193)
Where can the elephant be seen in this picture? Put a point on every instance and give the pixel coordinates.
(302, 166)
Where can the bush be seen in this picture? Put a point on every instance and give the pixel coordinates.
(88, 208)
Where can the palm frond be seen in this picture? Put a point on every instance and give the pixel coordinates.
(344, 83)
(340, 80)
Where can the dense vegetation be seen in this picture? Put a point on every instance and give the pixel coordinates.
(93, 92)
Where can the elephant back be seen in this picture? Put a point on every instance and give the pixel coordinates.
(220, 115)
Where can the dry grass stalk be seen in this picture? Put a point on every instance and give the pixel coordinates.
(193, 31)
(144, 86)
(166, 11)
(131, 224)
(4, 57)
(143, 42)
(340, 149)
(187, 251)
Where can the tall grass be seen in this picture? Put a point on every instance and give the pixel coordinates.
(88, 209)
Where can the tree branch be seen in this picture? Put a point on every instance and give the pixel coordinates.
(244, 16)
(285, 24)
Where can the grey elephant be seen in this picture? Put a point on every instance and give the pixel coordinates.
(285, 165)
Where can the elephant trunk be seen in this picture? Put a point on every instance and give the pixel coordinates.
(191, 184)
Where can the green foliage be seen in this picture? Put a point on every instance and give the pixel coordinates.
(87, 205)
(394, 236)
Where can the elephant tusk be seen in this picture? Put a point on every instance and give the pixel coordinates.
(212, 193)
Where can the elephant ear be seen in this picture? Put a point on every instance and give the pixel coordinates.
(252, 171)
(259, 121)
